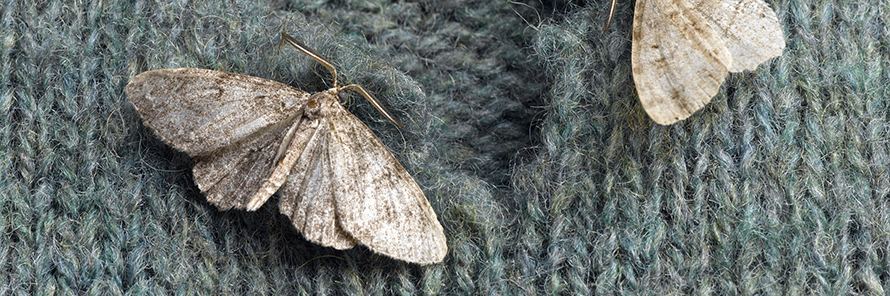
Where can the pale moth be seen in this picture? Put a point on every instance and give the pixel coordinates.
(683, 50)
(252, 137)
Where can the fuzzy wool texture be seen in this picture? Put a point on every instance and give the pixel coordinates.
(522, 127)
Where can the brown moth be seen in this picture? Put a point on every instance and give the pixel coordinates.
(252, 137)
(683, 50)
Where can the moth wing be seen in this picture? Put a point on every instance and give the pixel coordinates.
(232, 175)
(378, 202)
(357, 192)
(200, 111)
(307, 197)
(347, 188)
(750, 30)
(229, 123)
(678, 60)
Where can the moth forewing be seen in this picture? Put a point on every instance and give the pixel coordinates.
(286, 141)
(231, 177)
(749, 29)
(188, 108)
(683, 50)
(304, 132)
(375, 201)
(308, 197)
(400, 222)
(671, 91)
(252, 137)
(230, 124)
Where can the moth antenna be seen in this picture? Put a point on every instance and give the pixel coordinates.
(324, 62)
(370, 97)
(311, 53)
(611, 14)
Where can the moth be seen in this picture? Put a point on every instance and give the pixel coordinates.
(251, 137)
(683, 50)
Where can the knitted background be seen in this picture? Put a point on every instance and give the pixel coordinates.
(522, 127)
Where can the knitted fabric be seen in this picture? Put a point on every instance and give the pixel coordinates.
(522, 127)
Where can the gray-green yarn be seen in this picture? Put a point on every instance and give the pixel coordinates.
(522, 127)
(778, 186)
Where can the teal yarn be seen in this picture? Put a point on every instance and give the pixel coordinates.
(522, 127)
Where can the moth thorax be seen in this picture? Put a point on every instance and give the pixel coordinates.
(318, 102)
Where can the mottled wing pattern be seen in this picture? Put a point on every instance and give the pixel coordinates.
(683, 49)
(399, 221)
(338, 183)
(229, 123)
(200, 111)
(347, 188)
(750, 30)
(308, 195)
(230, 177)
(678, 60)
